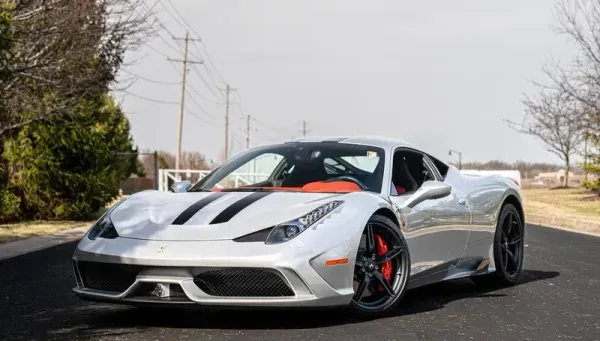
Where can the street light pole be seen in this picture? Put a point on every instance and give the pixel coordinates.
(459, 157)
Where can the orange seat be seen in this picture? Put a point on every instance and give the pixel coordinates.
(336, 186)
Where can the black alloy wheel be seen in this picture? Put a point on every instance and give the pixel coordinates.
(382, 267)
(509, 242)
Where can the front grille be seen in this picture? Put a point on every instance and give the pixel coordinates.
(243, 282)
(106, 276)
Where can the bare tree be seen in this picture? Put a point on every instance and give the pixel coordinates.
(65, 51)
(579, 21)
(555, 118)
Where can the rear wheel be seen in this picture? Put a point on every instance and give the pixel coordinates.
(508, 249)
(382, 268)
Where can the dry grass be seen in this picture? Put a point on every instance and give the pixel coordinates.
(574, 208)
(26, 229)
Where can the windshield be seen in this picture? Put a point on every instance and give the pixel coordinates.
(313, 167)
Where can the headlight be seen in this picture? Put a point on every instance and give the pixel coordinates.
(104, 227)
(288, 230)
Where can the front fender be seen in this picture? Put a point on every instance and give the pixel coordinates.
(338, 237)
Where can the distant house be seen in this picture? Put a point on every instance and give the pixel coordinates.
(558, 178)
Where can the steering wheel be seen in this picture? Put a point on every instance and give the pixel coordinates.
(348, 178)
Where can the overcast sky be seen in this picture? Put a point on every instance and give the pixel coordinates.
(439, 74)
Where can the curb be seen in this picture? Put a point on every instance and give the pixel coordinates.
(24, 246)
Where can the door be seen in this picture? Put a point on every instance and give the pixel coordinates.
(437, 230)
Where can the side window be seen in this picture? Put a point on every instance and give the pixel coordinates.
(409, 171)
(441, 167)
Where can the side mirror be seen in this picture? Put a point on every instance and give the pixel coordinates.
(428, 191)
(181, 186)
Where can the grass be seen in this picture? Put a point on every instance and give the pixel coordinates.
(27, 229)
(574, 208)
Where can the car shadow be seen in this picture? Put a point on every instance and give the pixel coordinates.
(419, 300)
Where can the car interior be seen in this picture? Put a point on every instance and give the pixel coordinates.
(319, 171)
(409, 172)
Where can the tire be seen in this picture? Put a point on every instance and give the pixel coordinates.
(506, 275)
(389, 263)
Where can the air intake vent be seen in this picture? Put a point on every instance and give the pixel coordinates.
(243, 282)
(107, 277)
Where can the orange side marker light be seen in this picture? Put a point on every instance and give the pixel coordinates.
(333, 262)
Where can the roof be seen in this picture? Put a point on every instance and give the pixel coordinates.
(378, 141)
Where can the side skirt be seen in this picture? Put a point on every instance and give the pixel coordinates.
(467, 268)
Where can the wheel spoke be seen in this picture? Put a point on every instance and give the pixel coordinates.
(371, 246)
(361, 288)
(395, 252)
(511, 256)
(515, 240)
(384, 282)
(510, 224)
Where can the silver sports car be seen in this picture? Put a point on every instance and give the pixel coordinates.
(352, 221)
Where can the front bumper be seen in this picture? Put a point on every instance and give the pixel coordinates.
(252, 274)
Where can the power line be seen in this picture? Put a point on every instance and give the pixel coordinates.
(149, 80)
(192, 88)
(157, 51)
(150, 99)
(201, 95)
(200, 107)
(211, 62)
(162, 25)
(268, 126)
(217, 94)
(199, 117)
(208, 72)
(189, 27)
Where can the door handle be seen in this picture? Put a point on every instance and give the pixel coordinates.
(462, 201)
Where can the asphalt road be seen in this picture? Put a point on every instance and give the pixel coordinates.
(558, 299)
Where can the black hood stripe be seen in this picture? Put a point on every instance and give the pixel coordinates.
(237, 206)
(200, 204)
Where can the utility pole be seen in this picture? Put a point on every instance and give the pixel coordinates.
(248, 132)
(227, 92)
(185, 62)
(585, 152)
(304, 128)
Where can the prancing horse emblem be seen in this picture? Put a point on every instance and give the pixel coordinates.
(161, 248)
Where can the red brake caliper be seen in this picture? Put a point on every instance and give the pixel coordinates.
(386, 268)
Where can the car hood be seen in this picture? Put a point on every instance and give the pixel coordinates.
(195, 216)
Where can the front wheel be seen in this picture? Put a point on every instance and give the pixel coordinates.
(508, 250)
(382, 267)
